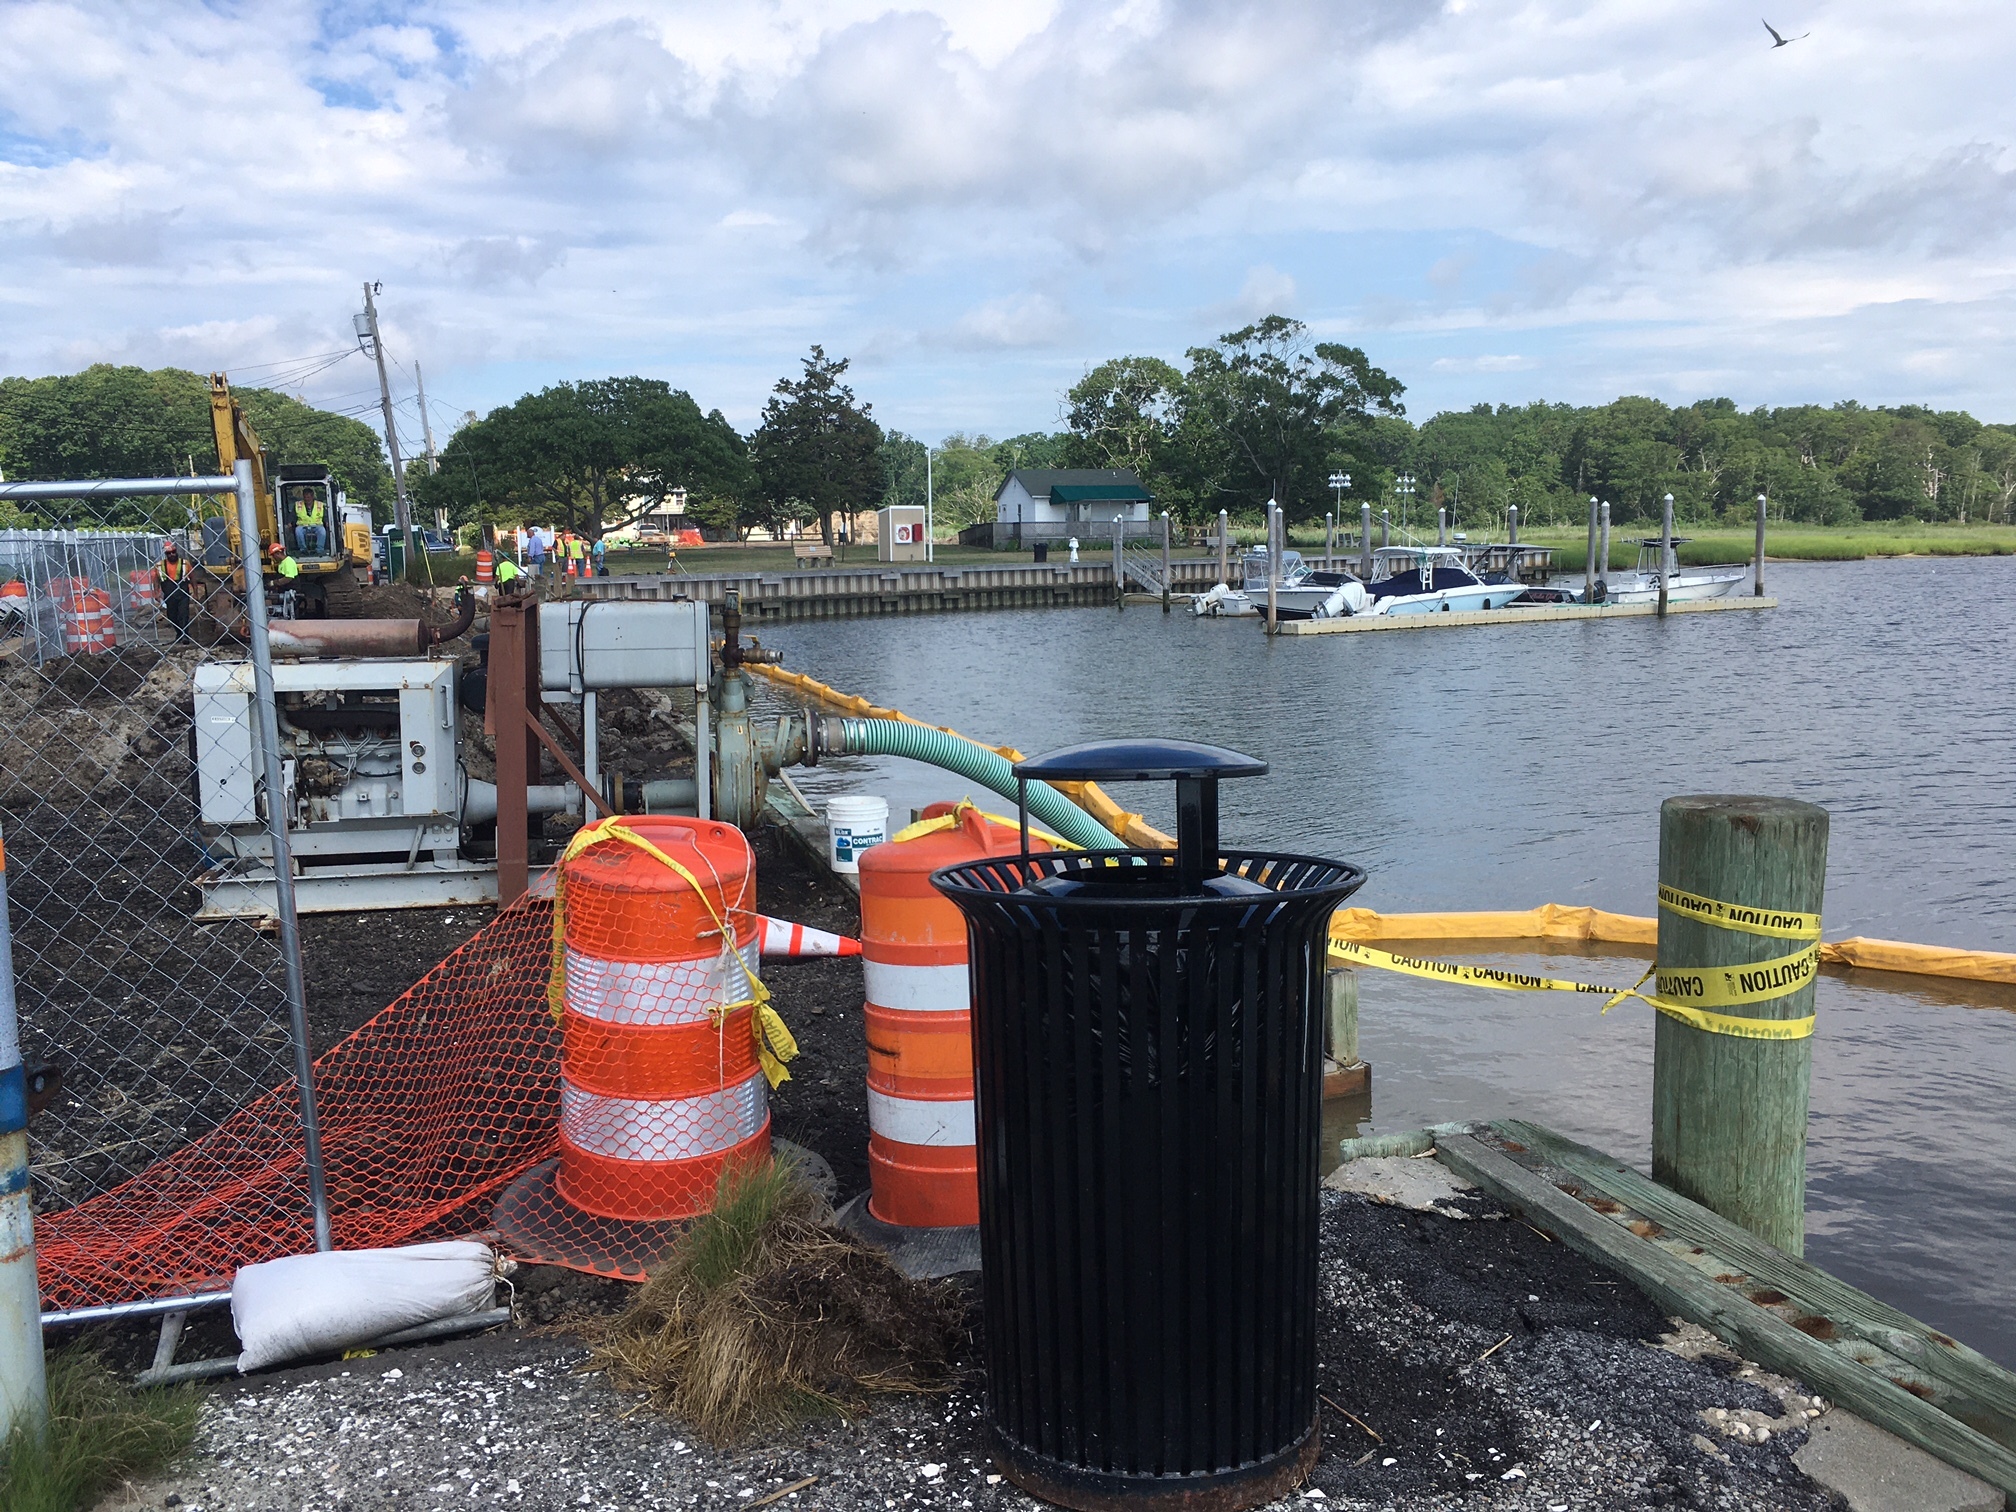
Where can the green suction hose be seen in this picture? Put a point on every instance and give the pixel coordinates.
(1047, 807)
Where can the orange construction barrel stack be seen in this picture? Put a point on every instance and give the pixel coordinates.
(486, 567)
(660, 1084)
(922, 1162)
(86, 613)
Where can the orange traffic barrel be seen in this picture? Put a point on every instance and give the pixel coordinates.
(486, 566)
(922, 1165)
(87, 622)
(140, 591)
(660, 1086)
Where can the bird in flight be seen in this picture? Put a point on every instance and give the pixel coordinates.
(1778, 41)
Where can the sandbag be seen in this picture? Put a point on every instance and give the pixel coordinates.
(314, 1304)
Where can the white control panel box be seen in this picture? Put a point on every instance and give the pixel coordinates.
(621, 643)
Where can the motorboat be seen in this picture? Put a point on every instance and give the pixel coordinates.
(1431, 580)
(1656, 561)
(1300, 592)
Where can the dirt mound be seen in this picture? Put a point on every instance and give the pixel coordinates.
(80, 725)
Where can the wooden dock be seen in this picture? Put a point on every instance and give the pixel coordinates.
(1524, 614)
(1781, 1311)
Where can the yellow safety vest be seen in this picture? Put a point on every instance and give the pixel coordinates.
(173, 571)
(288, 568)
(577, 548)
(308, 512)
(506, 570)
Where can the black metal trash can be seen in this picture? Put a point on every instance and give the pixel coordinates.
(1042, 551)
(1148, 1086)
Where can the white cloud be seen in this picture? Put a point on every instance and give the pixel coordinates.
(1630, 192)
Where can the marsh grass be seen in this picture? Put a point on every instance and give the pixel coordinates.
(765, 1315)
(99, 1433)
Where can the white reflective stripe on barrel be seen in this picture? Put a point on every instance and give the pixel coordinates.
(921, 1121)
(657, 992)
(917, 989)
(678, 1129)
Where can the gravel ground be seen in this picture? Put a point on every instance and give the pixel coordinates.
(1572, 1409)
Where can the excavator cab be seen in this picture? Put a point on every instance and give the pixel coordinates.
(298, 508)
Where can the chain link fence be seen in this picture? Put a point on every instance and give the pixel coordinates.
(149, 1024)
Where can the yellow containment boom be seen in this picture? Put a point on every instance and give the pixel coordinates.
(1558, 921)
(1550, 921)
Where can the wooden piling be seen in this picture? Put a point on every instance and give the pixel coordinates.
(1224, 535)
(1589, 558)
(1441, 527)
(1665, 551)
(1365, 542)
(1274, 545)
(1340, 1014)
(1119, 564)
(1728, 1112)
(1512, 525)
(1758, 589)
(1603, 556)
(1329, 540)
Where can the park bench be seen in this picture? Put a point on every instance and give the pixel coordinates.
(812, 554)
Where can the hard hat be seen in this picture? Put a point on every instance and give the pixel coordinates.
(276, 549)
(169, 548)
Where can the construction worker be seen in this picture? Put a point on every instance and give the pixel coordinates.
(283, 564)
(310, 534)
(173, 574)
(507, 572)
(600, 553)
(535, 552)
(577, 555)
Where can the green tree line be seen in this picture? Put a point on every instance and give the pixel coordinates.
(129, 422)
(1264, 412)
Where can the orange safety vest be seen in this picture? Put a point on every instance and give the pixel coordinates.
(173, 570)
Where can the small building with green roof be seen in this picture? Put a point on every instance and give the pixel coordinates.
(1055, 503)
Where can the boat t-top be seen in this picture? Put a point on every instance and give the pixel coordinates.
(1430, 580)
(1657, 560)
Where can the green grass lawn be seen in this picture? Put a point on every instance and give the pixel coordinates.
(1705, 545)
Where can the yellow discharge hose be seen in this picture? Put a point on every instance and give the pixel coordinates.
(1550, 921)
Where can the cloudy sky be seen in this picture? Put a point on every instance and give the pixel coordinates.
(1498, 199)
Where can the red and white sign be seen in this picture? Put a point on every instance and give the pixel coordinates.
(903, 534)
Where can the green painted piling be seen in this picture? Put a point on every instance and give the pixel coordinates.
(1729, 1113)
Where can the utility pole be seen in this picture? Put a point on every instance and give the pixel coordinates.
(367, 330)
(427, 430)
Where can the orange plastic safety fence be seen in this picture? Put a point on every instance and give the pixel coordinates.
(426, 1112)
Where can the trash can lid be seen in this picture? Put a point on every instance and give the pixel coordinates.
(1139, 761)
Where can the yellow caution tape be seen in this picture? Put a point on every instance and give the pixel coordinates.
(1688, 994)
(1781, 923)
(774, 1044)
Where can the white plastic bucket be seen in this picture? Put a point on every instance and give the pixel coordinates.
(852, 826)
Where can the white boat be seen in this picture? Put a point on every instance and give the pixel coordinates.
(1300, 592)
(1656, 558)
(1430, 580)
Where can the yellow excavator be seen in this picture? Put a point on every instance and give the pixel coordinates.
(292, 501)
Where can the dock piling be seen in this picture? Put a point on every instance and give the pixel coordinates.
(1729, 1111)
(1512, 525)
(1340, 1014)
(1757, 590)
(1119, 564)
(1589, 558)
(1665, 552)
(1441, 526)
(1224, 535)
(1329, 540)
(1165, 561)
(1385, 527)
(1603, 556)
(1273, 565)
(1365, 542)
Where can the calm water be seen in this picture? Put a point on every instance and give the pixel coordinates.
(1508, 766)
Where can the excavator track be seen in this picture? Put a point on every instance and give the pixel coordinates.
(342, 595)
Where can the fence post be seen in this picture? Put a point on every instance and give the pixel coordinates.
(283, 858)
(1729, 1112)
(1165, 561)
(24, 1394)
(1758, 590)
(1589, 557)
(1365, 542)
